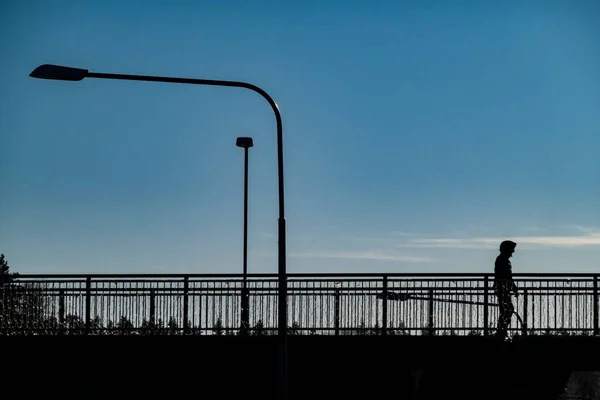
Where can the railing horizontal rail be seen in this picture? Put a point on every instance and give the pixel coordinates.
(435, 276)
(329, 291)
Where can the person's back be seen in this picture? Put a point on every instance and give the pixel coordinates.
(503, 267)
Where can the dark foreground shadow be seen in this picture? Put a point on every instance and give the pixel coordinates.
(232, 367)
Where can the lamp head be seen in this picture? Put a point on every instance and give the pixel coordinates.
(59, 73)
(244, 142)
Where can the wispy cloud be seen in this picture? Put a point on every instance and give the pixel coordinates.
(391, 251)
(362, 255)
(452, 243)
(372, 239)
(589, 238)
(267, 235)
(393, 236)
(405, 234)
(583, 229)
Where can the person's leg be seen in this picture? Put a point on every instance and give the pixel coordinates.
(501, 312)
(506, 312)
(509, 309)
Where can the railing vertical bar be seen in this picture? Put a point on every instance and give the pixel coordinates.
(596, 306)
(186, 306)
(431, 323)
(486, 312)
(384, 322)
(337, 311)
(525, 312)
(88, 304)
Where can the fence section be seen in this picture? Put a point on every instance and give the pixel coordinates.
(324, 304)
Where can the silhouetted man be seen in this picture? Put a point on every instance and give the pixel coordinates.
(503, 285)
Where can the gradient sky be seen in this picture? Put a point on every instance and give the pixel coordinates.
(418, 135)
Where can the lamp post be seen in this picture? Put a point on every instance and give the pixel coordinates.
(245, 143)
(56, 72)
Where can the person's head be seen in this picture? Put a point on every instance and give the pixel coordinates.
(507, 247)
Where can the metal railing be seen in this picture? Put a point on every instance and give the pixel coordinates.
(323, 304)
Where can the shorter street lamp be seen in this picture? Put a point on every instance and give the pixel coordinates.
(245, 143)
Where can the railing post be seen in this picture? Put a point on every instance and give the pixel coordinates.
(384, 322)
(525, 313)
(596, 306)
(186, 289)
(245, 306)
(88, 304)
(486, 308)
(336, 320)
(61, 311)
(152, 311)
(430, 306)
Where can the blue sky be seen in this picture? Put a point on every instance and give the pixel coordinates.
(418, 135)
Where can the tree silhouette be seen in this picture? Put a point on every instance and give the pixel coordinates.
(5, 293)
(96, 327)
(375, 331)
(362, 328)
(294, 329)
(429, 330)
(218, 327)
(173, 326)
(400, 331)
(259, 329)
(147, 327)
(5, 275)
(125, 326)
(74, 325)
(22, 306)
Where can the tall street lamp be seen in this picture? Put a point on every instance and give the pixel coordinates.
(56, 72)
(245, 143)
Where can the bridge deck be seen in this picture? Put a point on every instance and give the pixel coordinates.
(319, 367)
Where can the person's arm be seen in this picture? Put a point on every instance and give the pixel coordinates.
(515, 289)
(497, 269)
